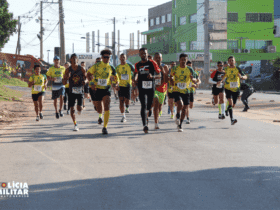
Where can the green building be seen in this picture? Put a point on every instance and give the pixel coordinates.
(243, 28)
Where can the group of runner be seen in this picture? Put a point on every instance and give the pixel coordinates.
(150, 79)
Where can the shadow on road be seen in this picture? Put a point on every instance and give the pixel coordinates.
(223, 188)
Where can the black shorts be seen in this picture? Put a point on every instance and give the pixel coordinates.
(191, 97)
(125, 92)
(35, 97)
(233, 95)
(100, 93)
(73, 97)
(57, 93)
(86, 88)
(217, 91)
(92, 94)
(170, 95)
(184, 97)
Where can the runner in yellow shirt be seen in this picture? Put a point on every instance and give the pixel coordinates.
(102, 74)
(232, 78)
(38, 82)
(56, 74)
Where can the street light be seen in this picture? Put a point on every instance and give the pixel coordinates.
(48, 56)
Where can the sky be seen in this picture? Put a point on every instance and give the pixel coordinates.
(81, 16)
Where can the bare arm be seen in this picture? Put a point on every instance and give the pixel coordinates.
(66, 76)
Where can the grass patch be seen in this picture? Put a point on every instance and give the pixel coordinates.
(12, 81)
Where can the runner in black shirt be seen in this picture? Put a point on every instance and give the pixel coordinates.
(248, 90)
(144, 75)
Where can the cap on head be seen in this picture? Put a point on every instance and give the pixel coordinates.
(56, 58)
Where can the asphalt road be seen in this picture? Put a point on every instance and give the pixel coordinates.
(211, 165)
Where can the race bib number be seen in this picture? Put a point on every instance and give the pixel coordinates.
(77, 90)
(181, 85)
(234, 85)
(124, 77)
(158, 81)
(102, 82)
(38, 88)
(58, 79)
(147, 84)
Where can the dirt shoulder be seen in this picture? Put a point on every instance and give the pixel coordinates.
(14, 114)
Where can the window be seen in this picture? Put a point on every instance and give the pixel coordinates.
(151, 22)
(259, 17)
(163, 19)
(169, 17)
(232, 17)
(175, 19)
(183, 46)
(157, 21)
(183, 20)
(1, 62)
(257, 44)
(232, 44)
(174, 3)
(193, 45)
(193, 18)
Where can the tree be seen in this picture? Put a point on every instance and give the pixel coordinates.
(8, 24)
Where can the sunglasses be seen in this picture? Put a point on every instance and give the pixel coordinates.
(220, 65)
(107, 57)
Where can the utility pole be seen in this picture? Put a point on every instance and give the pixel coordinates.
(114, 43)
(206, 41)
(119, 44)
(18, 42)
(98, 41)
(138, 39)
(62, 40)
(41, 31)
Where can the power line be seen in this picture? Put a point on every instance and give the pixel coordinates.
(133, 5)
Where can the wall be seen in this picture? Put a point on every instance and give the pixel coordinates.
(158, 11)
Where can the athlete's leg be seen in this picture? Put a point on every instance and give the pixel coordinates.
(142, 97)
(106, 100)
(222, 103)
(122, 101)
(41, 100)
(36, 107)
(156, 111)
(55, 105)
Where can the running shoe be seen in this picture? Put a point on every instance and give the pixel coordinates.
(245, 109)
(68, 112)
(61, 113)
(76, 128)
(37, 118)
(188, 121)
(41, 116)
(233, 121)
(223, 117)
(177, 121)
(123, 119)
(220, 116)
(213, 102)
(172, 117)
(180, 129)
(57, 115)
(146, 129)
(104, 131)
(127, 110)
(65, 108)
(156, 126)
(100, 121)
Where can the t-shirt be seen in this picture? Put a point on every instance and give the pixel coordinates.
(182, 79)
(217, 76)
(102, 72)
(39, 81)
(143, 70)
(196, 76)
(232, 82)
(125, 74)
(57, 73)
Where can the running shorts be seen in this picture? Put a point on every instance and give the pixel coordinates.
(100, 93)
(181, 96)
(57, 93)
(125, 92)
(232, 95)
(73, 97)
(160, 96)
(35, 97)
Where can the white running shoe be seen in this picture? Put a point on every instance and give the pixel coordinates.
(123, 119)
(180, 129)
(76, 128)
(177, 121)
(37, 118)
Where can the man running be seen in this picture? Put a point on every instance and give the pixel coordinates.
(192, 90)
(218, 91)
(102, 75)
(66, 95)
(232, 78)
(248, 90)
(161, 88)
(182, 79)
(144, 76)
(76, 75)
(55, 74)
(39, 85)
(125, 74)
(171, 110)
